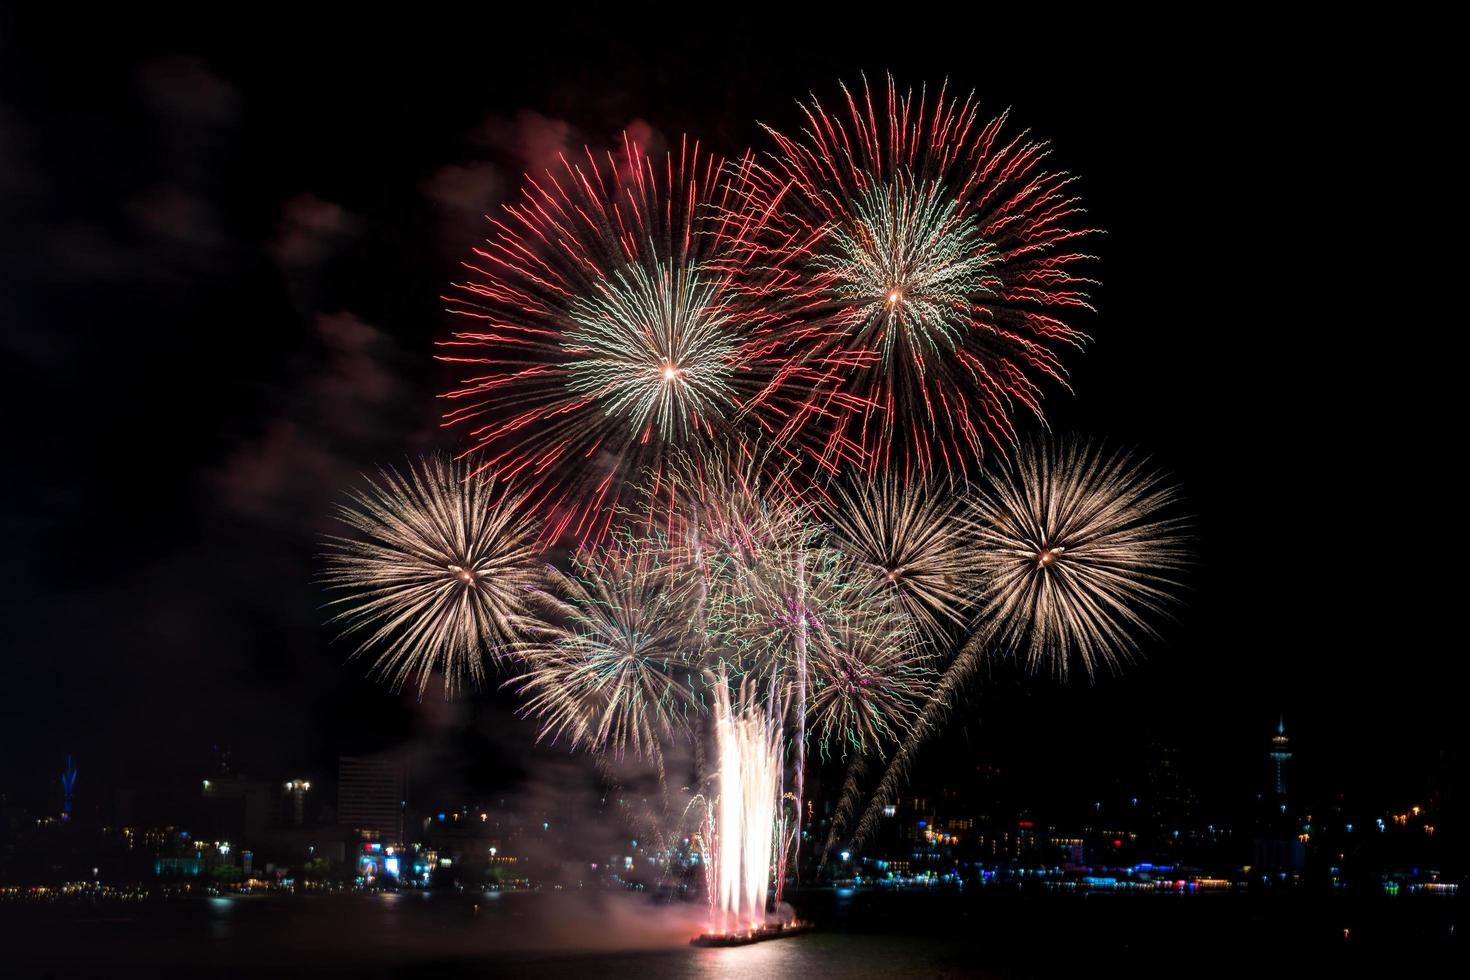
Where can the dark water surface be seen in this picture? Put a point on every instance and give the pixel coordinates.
(861, 935)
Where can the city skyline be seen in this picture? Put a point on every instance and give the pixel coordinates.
(971, 826)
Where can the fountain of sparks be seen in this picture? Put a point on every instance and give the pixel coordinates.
(742, 834)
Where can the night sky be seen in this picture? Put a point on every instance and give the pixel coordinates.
(221, 257)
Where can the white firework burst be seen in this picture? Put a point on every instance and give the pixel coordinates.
(435, 578)
(916, 540)
(655, 347)
(1079, 555)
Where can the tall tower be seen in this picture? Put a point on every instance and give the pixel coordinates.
(1280, 755)
(68, 785)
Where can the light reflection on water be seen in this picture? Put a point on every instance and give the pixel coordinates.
(513, 935)
(220, 907)
(814, 954)
(613, 937)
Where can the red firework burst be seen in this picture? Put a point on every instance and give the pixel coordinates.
(602, 333)
(924, 262)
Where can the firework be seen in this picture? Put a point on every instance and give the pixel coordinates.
(749, 543)
(670, 362)
(733, 515)
(657, 348)
(748, 754)
(435, 579)
(763, 612)
(611, 660)
(724, 504)
(927, 266)
(915, 541)
(1078, 553)
(746, 541)
(809, 616)
(868, 681)
(807, 627)
(600, 333)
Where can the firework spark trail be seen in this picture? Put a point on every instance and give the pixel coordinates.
(809, 617)
(707, 840)
(657, 348)
(601, 333)
(649, 822)
(727, 511)
(928, 721)
(847, 800)
(803, 639)
(926, 266)
(1074, 541)
(917, 541)
(436, 578)
(747, 539)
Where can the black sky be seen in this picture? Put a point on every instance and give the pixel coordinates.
(222, 255)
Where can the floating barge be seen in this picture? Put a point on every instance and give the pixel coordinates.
(753, 936)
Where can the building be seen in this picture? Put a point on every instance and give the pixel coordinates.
(293, 797)
(236, 809)
(370, 797)
(1168, 820)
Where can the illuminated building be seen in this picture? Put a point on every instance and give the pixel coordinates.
(370, 797)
